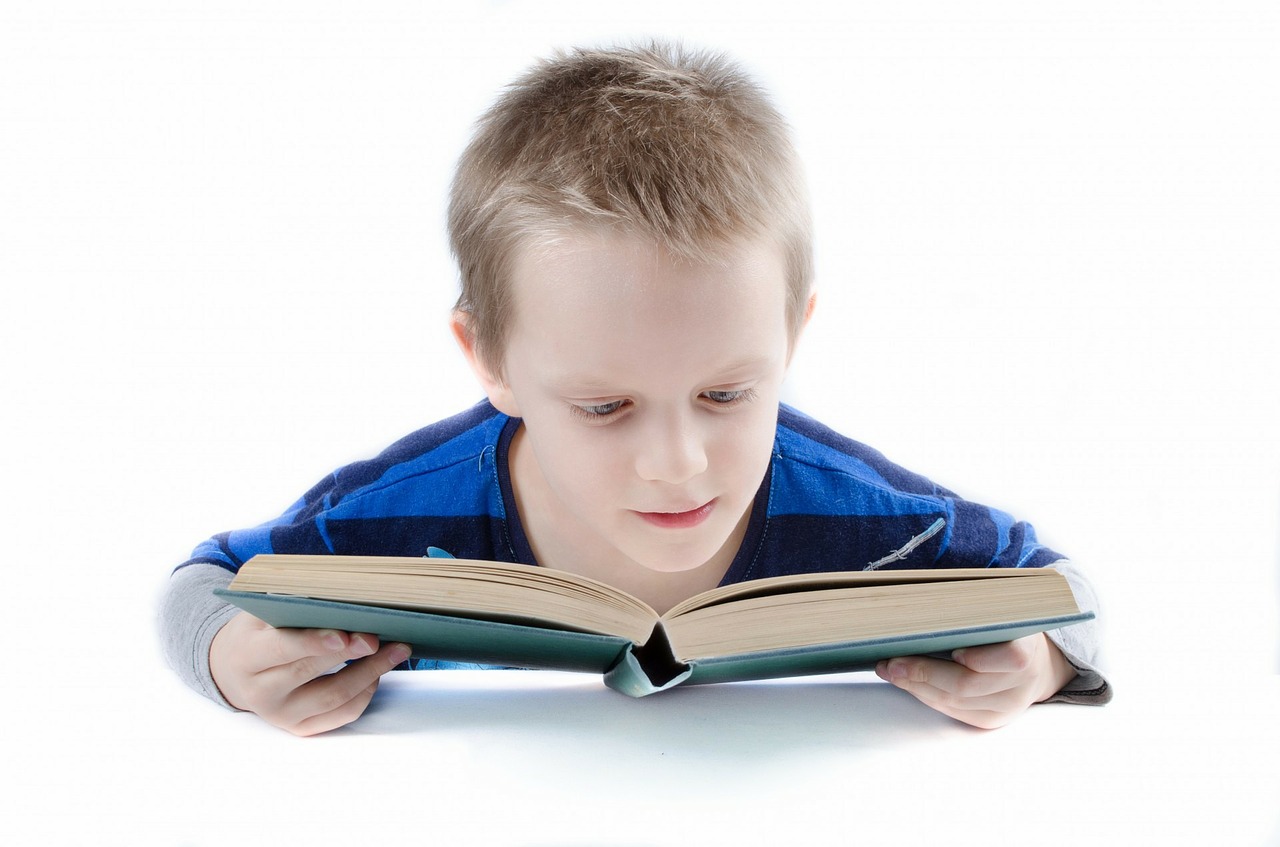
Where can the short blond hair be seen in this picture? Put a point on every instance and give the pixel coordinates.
(656, 141)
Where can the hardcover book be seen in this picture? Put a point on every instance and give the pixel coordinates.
(533, 617)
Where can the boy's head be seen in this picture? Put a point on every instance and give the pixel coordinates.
(678, 148)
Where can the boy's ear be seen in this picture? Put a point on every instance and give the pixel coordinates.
(808, 315)
(494, 386)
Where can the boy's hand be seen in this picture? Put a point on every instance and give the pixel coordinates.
(984, 686)
(282, 674)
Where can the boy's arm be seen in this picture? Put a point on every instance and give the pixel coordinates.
(190, 616)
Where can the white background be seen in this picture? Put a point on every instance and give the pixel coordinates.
(1047, 260)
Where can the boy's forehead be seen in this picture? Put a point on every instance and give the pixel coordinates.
(588, 303)
(610, 264)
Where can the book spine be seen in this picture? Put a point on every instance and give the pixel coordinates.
(635, 677)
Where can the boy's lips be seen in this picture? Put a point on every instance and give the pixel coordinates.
(679, 520)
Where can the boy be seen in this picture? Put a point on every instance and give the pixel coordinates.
(633, 241)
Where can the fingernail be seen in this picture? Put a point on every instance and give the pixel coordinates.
(891, 671)
(333, 641)
(400, 652)
(361, 646)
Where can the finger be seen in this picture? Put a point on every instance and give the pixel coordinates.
(985, 713)
(322, 648)
(949, 679)
(981, 718)
(1008, 657)
(302, 671)
(339, 717)
(287, 659)
(338, 698)
(986, 710)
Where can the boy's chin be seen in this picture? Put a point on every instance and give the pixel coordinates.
(677, 558)
(670, 566)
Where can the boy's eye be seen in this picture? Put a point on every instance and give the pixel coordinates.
(729, 398)
(600, 410)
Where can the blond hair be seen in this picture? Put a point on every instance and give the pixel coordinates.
(680, 147)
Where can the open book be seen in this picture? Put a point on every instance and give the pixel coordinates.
(521, 616)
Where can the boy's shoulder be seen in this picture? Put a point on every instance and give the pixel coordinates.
(836, 504)
(459, 441)
(458, 437)
(805, 443)
(828, 493)
(438, 485)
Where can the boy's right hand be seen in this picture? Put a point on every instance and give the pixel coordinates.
(283, 676)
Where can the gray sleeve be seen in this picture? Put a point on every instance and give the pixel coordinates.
(190, 616)
(1081, 644)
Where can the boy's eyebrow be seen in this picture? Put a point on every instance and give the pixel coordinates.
(732, 371)
(742, 366)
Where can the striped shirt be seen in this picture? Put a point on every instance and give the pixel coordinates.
(826, 503)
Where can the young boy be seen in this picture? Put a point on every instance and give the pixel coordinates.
(633, 240)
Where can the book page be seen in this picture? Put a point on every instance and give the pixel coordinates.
(461, 587)
(849, 613)
(779, 585)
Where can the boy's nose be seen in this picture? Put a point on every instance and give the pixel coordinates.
(671, 452)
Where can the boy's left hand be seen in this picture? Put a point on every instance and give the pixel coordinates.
(984, 686)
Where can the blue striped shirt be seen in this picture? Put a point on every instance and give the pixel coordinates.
(826, 503)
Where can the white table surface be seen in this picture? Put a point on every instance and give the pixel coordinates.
(535, 758)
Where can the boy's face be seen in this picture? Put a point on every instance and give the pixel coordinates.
(649, 389)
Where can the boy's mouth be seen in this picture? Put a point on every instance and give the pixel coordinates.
(679, 520)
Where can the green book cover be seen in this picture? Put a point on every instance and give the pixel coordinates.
(435, 636)
(635, 670)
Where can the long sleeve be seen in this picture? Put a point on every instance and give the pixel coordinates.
(1081, 644)
(190, 616)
